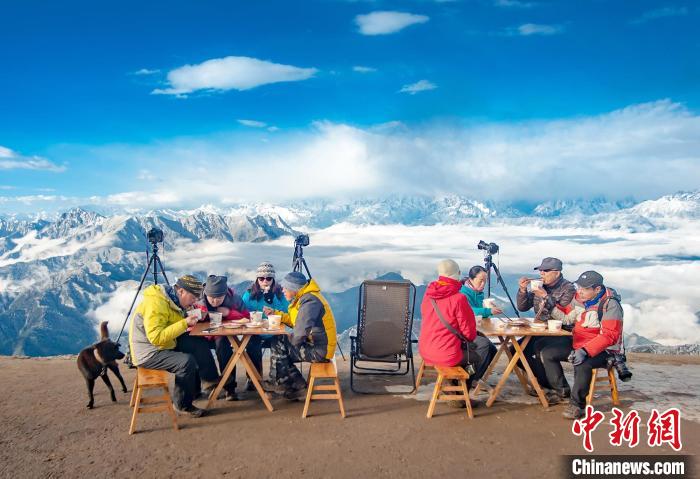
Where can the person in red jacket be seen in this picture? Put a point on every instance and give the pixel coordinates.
(439, 346)
(596, 314)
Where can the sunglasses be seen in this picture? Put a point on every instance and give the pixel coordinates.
(268, 278)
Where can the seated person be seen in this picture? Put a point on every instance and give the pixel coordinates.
(448, 328)
(313, 338)
(220, 298)
(473, 289)
(596, 315)
(545, 354)
(263, 292)
(157, 338)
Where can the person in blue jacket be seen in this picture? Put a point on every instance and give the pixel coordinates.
(473, 289)
(263, 292)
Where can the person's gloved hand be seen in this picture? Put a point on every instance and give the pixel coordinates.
(578, 356)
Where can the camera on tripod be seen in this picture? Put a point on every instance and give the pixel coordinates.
(301, 240)
(155, 235)
(619, 362)
(490, 248)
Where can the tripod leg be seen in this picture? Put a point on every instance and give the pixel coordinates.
(499, 278)
(162, 270)
(143, 278)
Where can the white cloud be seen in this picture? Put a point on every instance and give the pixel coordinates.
(385, 22)
(253, 123)
(145, 175)
(363, 69)
(529, 29)
(7, 187)
(11, 160)
(660, 13)
(145, 71)
(419, 86)
(231, 73)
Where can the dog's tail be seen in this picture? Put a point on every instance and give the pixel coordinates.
(104, 333)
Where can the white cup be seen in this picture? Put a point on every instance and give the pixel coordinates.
(274, 321)
(195, 313)
(256, 316)
(215, 319)
(554, 325)
(489, 302)
(535, 284)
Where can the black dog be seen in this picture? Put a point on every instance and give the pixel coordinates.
(96, 359)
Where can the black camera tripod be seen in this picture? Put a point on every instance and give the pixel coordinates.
(489, 265)
(154, 261)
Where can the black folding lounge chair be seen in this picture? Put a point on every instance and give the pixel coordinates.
(383, 335)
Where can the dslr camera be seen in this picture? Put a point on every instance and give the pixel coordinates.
(302, 240)
(619, 362)
(155, 235)
(490, 248)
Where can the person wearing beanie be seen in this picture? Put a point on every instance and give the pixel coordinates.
(264, 291)
(158, 339)
(313, 338)
(448, 335)
(218, 297)
(545, 354)
(596, 315)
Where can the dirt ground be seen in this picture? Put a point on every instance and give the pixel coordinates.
(48, 432)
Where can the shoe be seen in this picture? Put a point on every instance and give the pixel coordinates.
(572, 411)
(205, 393)
(209, 384)
(191, 411)
(273, 387)
(294, 394)
(457, 404)
(249, 386)
(231, 396)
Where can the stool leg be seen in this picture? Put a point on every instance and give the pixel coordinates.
(613, 388)
(436, 393)
(309, 393)
(133, 391)
(340, 396)
(171, 411)
(591, 389)
(470, 413)
(420, 375)
(137, 405)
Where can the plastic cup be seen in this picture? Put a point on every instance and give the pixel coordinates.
(554, 325)
(489, 303)
(256, 316)
(195, 313)
(535, 284)
(274, 321)
(215, 319)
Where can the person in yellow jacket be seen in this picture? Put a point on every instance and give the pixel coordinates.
(313, 338)
(157, 325)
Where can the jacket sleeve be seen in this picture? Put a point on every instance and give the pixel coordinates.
(155, 323)
(465, 319)
(477, 308)
(610, 330)
(565, 296)
(310, 309)
(525, 300)
(567, 315)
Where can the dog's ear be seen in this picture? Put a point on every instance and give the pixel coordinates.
(104, 334)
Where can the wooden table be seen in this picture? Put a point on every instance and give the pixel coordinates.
(239, 338)
(507, 336)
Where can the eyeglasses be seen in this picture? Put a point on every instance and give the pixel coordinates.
(268, 278)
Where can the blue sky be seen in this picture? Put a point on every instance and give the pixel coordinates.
(349, 89)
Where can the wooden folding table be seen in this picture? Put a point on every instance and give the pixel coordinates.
(508, 336)
(239, 338)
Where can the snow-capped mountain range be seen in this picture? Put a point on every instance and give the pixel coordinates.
(54, 272)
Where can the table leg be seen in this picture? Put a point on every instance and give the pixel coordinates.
(239, 349)
(506, 373)
(518, 372)
(252, 371)
(533, 380)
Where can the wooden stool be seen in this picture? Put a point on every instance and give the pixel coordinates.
(151, 379)
(449, 373)
(323, 371)
(608, 378)
(421, 371)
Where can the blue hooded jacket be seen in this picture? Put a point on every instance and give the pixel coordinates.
(476, 301)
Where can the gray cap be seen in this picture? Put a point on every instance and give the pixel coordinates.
(550, 264)
(216, 286)
(294, 281)
(589, 279)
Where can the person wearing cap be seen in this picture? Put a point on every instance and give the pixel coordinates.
(218, 297)
(440, 345)
(264, 291)
(596, 315)
(313, 338)
(545, 354)
(158, 326)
